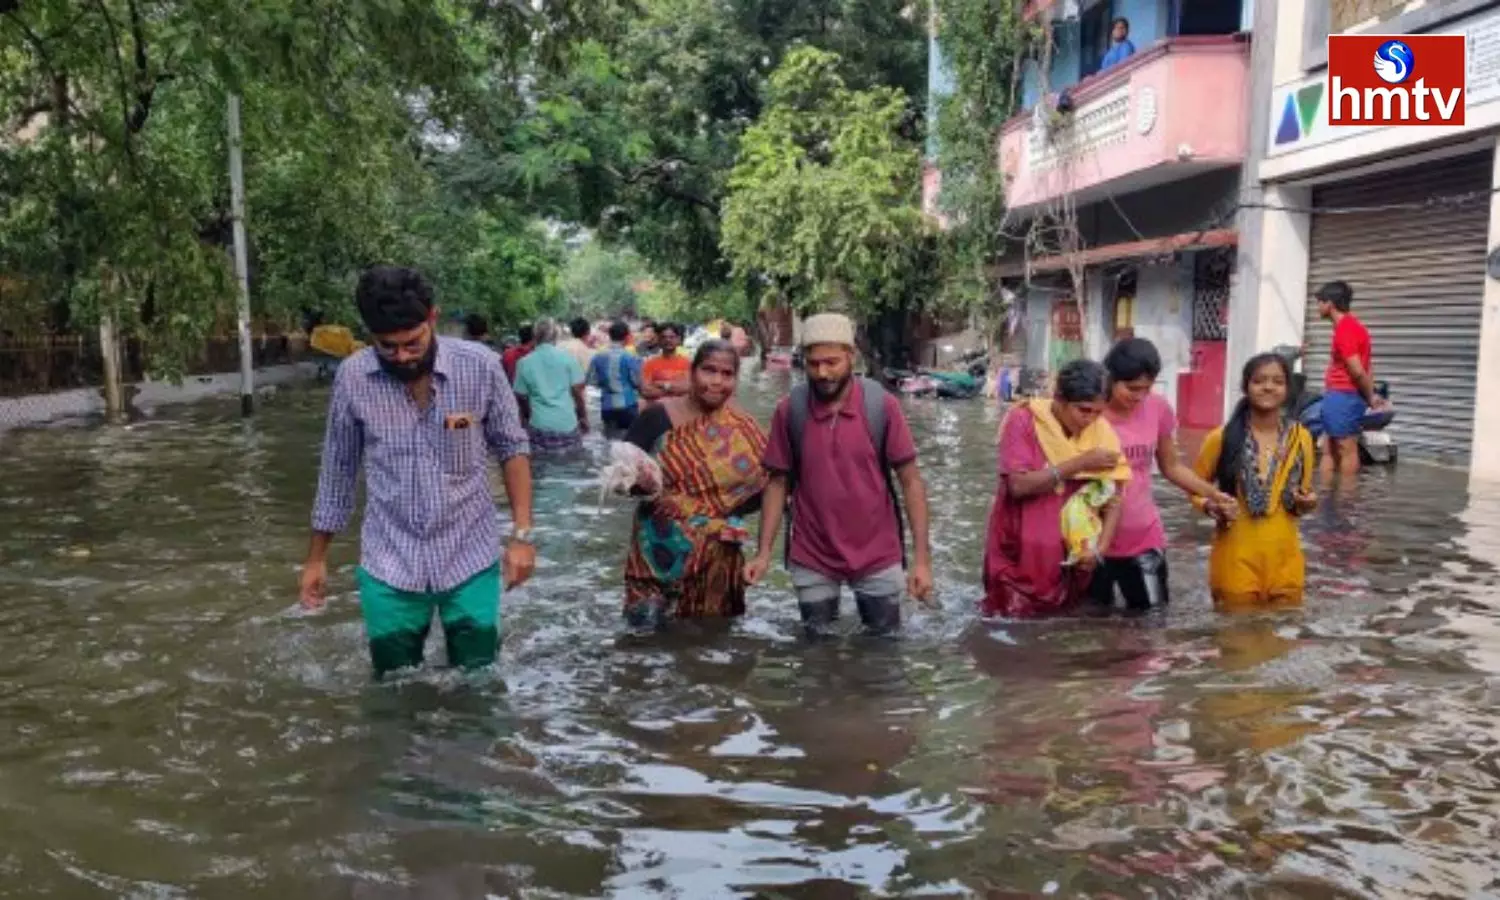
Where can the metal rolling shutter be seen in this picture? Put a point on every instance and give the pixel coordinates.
(1418, 278)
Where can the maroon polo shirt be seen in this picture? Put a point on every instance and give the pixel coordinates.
(844, 526)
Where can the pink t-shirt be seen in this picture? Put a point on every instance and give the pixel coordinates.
(1151, 422)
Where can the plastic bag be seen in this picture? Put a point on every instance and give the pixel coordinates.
(629, 467)
(1082, 525)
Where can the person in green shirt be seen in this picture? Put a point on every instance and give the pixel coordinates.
(550, 390)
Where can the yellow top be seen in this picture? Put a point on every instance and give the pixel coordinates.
(1257, 563)
(1059, 448)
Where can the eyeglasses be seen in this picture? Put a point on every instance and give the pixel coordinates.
(391, 348)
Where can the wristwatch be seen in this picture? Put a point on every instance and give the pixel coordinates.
(522, 536)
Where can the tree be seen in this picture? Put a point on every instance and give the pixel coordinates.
(668, 301)
(822, 204)
(986, 44)
(636, 138)
(600, 282)
(113, 192)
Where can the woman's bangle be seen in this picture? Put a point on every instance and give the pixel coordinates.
(1057, 478)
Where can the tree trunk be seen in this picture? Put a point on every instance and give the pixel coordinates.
(109, 349)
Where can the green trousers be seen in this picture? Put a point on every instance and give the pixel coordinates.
(397, 621)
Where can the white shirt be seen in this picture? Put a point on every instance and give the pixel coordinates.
(578, 350)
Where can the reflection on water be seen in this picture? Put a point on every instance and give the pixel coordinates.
(175, 728)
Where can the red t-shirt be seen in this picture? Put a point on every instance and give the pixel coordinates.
(1351, 340)
(512, 358)
(844, 526)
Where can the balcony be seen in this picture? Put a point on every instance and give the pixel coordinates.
(1175, 109)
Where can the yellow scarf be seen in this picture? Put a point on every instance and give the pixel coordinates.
(1059, 448)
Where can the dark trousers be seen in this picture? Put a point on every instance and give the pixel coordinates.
(1141, 581)
(618, 421)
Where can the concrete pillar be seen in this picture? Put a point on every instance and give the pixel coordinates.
(1262, 18)
(1098, 335)
(1485, 466)
(1273, 296)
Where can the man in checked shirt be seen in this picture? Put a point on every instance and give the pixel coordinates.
(420, 413)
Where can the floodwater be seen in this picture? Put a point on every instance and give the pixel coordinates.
(171, 727)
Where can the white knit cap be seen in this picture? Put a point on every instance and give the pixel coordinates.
(827, 328)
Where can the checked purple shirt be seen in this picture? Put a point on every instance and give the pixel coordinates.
(430, 522)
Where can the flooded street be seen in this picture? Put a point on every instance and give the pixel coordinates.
(173, 727)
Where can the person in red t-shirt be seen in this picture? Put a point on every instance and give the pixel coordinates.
(1349, 387)
(512, 356)
(846, 529)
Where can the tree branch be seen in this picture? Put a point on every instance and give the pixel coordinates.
(145, 85)
(660, 183)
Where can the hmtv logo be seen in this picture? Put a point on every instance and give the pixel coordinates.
(1383, 79)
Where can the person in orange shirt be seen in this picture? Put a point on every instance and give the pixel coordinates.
(666, 374)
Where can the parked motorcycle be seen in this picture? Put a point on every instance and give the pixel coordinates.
(945, 384)
(1376, 445)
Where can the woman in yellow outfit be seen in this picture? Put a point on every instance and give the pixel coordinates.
(1265, 460)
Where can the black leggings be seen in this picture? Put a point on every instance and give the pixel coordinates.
(1142, 581)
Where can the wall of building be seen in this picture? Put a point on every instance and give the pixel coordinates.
(1273, 279)
(1244, 303)
(1300, 141)
(1485, 466)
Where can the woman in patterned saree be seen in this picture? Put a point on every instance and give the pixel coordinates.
(686, 558)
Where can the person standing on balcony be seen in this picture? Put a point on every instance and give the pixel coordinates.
(1120, 47)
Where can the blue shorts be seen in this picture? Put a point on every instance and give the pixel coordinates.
(1342, 413)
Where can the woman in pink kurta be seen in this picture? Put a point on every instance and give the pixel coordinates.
(1024, 575)
(1136, 566)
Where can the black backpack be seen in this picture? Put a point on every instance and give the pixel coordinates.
(799, 409)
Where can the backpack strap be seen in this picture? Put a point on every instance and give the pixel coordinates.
(797, 412)
(875, 418)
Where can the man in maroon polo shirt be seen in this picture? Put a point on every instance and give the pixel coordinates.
(835, 457)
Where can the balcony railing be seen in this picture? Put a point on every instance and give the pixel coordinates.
(1172, 110)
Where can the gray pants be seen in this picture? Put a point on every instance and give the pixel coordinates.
(878, 597)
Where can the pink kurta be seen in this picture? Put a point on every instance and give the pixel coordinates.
(1023, 550)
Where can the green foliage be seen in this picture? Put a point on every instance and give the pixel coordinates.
(822, 202)
(984, 43)
(668, 301)
(113, 177)
(436, 133)
(639, 133)
(599, 282)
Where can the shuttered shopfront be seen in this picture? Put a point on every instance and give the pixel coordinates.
(1418, 279)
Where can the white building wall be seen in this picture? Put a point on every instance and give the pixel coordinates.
(1274, 295)
(1163, 316)
(1275, 284)
(1291, 16)
(1484, 462)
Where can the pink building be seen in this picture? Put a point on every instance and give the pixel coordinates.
(1122, 177)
